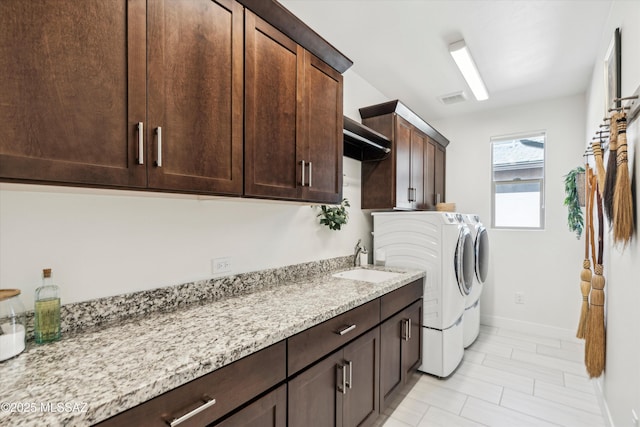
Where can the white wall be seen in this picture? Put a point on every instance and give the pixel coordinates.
(621, 380)
(544, 265)
(107, 242)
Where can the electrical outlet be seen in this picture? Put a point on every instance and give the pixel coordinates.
(221, 265)
(519, 297)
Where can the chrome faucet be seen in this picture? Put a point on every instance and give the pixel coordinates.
(357, 251)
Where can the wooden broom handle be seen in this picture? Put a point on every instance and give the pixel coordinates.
(592, 190)
(600, 227)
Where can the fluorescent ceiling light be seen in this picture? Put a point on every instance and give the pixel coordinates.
(464, 61)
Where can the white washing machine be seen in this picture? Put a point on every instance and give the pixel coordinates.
(480, 237)
(439, 243)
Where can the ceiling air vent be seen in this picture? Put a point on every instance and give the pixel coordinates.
(453, 98)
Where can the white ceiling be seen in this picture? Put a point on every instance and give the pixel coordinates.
(526, 50)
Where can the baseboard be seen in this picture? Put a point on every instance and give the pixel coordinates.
(529, 327)
(606, 414)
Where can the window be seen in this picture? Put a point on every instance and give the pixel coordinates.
(518, 181)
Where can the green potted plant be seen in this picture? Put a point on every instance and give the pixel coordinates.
(336, 216)
(572, 200)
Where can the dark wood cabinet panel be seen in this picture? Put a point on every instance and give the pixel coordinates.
(429, 175)
(314, 343)
(341, 390)
(400, 350)
(412, 357)
(230, 386)
(322, 129)
(314, 399)
(72, 81)
(440, 173)
(418, 143)
(293, 123)
(397, 300)
(391, 369)
(402, 146)
(362, 402)
(268, 411)
(412, 177)
(195, 80)
(272, 61)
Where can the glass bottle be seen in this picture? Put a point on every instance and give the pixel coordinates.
(12, 324)
(47, 310)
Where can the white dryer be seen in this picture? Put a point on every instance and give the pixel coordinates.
(480, 237)
(439, 243)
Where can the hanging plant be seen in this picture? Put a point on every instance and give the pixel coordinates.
(572, 202)
(334, 217)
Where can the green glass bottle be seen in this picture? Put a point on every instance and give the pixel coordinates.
(47, 310)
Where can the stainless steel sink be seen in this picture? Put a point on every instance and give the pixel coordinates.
(364, 275)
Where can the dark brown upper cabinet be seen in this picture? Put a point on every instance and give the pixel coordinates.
(78, 88)
(73, 89)
(195, 84)
(293, 119)
(151, 95)
(412, 177)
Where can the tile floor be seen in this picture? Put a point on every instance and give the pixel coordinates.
(506, 378)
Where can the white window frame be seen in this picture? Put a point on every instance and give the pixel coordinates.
(542, 181)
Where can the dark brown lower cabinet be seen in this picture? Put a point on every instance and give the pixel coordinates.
(268, 411)
(327, 375)
(400, 350)
(341, 390)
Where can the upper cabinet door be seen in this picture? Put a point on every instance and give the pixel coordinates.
(195, 79)
(430, 175)
(402, 165)
(272, 61)
(321, 123)
(72, 84)
(418, 143)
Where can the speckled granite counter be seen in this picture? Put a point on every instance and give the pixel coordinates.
(89, 376)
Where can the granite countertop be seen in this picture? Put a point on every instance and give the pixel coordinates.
(89, 376)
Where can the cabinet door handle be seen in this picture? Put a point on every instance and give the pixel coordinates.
(409, 195)
(437, 198)
(405, 326)
(302, 184)
(310, 173)
(409, 327)
(159, 159)
(342, 388)
(350, 383)
(346, 329)
(140, 143)
(208, 402)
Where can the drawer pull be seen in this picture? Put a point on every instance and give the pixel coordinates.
(140, 143)
(209, 402)
(350, 383)
(346, 330)
(342, 388)
(159, 159)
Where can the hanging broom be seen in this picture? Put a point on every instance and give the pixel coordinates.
(622, 199)
(585, 274)
(610, 177)
(596, 147)
(595, 345)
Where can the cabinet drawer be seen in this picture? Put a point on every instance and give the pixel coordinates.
(230, 386)
(395, 301)
(320, 340)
